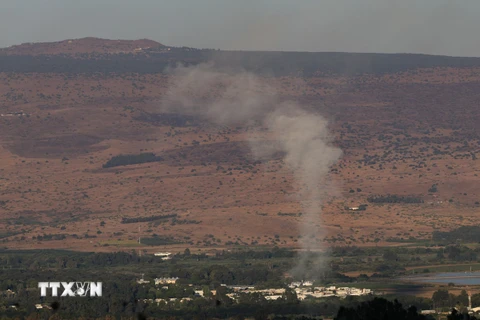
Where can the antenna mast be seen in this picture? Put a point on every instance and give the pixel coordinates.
(469, 299)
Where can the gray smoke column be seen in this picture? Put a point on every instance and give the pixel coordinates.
(305, 139)
(227, 97)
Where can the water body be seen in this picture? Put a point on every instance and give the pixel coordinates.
(458, 278)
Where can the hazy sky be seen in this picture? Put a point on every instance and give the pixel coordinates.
(450, 27)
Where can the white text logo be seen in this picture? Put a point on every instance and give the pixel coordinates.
(71, 289)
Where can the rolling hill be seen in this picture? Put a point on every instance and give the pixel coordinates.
(405, 123)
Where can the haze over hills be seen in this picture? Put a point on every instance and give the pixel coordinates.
(93, 55)
(89, 157)
(81, 46)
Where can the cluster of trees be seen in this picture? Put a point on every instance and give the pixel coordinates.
(148, 219)
(159, 241)
(195, 268)
(47, 237)
(393, 198)
(433, 188)
(461, 253)
(254, 254)
(379, 308)
(169, 119)
(128, 159)
(463, 234)
(59, 64)
(236, 153)
(185, 221)
(391, 262)
(124, 299)
(119, 296)
(442, 299)
(273, 63)
(217, 274)
(59, 259)
(123, 296)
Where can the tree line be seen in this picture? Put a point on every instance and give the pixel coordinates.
(148, 219)
(129, 159)
(393, 198)
(271, 63)
(462, 234)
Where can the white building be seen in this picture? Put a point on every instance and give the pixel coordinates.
(165, 280)
(273, 297)
(164, 255)
(428, 312)
(142, 281)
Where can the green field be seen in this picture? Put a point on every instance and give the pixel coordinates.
(123, 243)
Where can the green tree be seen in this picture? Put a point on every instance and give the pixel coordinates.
(221, 296)
(441, 298)
(378, 308)
(290, 296)
(206, 292)
(462, 298)
(389, 255)
(255, 298)
(455, 315)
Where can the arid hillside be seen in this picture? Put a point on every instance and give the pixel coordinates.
(88, 160)
(81, 46)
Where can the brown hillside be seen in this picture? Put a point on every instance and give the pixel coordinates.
(79, 46)
(400, 133)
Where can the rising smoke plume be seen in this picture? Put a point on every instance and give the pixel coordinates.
(234, 98)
